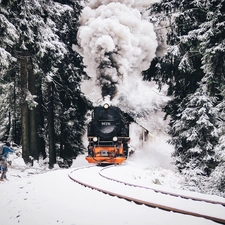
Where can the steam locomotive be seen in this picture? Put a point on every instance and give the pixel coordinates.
(108, 135)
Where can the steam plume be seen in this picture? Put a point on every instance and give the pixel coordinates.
(117, 45)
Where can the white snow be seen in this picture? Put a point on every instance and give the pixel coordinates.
(35, 195)
(91, 176)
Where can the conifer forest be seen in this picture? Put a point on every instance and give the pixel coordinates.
(44, 110)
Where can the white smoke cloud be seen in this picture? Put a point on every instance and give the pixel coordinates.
(137, 4)
(115, 35)
(117, 45)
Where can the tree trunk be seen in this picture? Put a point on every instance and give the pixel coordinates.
(24, 109)
(51, 132)
(40, 120)
(32, 114)
(16, 125)
(62, 144)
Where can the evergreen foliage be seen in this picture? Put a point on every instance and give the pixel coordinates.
(193, 67)
(182, 59)
(195, 133)
(41, 34)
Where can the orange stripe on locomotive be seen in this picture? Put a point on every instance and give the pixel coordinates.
(107, 154)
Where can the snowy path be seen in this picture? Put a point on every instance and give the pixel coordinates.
(91, 176)
(123, 176)
(52, 198)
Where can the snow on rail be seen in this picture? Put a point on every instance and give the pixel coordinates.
(91, 177)
(110, 174)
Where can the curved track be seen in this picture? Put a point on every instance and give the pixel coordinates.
(93, 177)
(176, 193)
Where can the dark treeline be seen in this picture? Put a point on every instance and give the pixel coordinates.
(193, 68)
(42, 106)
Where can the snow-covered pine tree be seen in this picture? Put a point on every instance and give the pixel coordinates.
(196, 50)
(46, 32)
(195, 134)
(216, 182)
(69, 105)
(9, 112)
(180, 67)
(211, 34)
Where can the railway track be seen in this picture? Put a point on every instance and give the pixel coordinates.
(95, 177)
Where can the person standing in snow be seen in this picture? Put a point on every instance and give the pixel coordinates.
(6, 150)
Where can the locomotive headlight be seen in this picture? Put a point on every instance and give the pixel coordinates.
(106, 106)
(115, 138)
(95, 139)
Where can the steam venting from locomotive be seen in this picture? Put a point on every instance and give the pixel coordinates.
(115, 42)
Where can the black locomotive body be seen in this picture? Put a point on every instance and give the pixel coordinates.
(108, 135)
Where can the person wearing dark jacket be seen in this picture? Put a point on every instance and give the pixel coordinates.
(6, 150)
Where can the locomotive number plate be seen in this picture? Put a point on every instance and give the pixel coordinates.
(105, 123)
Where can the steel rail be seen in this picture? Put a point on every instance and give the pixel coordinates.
(143, 202)
(185, 196)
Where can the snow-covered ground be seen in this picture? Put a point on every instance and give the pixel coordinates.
(39, 196)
